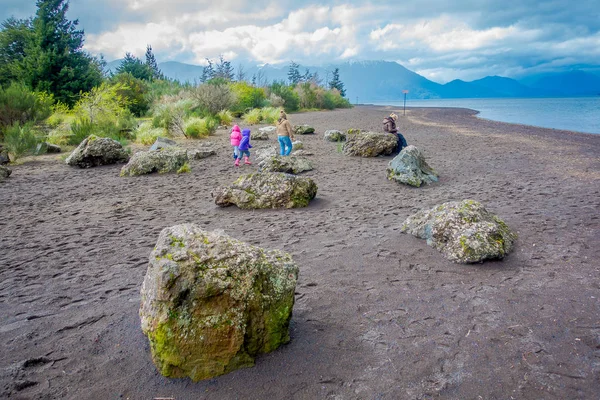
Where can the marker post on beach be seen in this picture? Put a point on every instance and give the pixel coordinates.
(405, 92)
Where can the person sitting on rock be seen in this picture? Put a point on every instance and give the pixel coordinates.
(389, 125)
(284, 133)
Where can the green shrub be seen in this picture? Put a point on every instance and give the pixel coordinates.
(146, 134)
(133, 91)
(82, 128)
(60, 135)
(20, 140)
(225, 117)
(185, 168)
(328, 101)
(18, 104)
(247, 97)
(269, 115)
(200, 127)
(291, 100)
(212, 97)
(253, 116)
(171, 112)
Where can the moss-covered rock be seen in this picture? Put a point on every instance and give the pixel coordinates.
(334, 135)
(464, 231)
(287, 164)
(168, 159)
(267, 190)
(409, 167)
(94, 151)
(369, 144)
(211, 303)
(304, 130)
(4, 172)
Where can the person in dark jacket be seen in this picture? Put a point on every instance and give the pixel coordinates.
(389, 125)
(245, 147)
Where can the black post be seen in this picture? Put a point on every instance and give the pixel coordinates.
(405, 103)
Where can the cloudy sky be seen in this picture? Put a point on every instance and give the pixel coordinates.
(439, 39)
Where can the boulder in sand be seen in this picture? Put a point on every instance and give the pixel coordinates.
(169, 159)
(333, 135)
(162, 143)
(370, 144)
(210, 303)
(302, 153)
(4, 172)
(464, 231)
(4, 158)
(409, 167)
(303, 130)
(94, 151)
(202, 152)
(267, 190)
(288, 164)
(45, 147)
(297, 145)
(263, 133)
(264, 152)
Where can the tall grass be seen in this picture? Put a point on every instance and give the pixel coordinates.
(20, 140)
(200, 127)
(225, 117)
(146, 134)
(269, 115)
(253, 116)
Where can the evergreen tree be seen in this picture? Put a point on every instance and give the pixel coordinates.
(14, 36)
(55, 62)
(307, 75)
(294, 74)
(208, 72)
(134, 66)
(336, 83)
(241, 73)
(152, 64)
(224, 69)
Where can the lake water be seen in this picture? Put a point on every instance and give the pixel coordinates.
(581, 114)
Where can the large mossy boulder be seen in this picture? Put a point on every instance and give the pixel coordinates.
(267, 190)
(94, 151)
(169, 159)
(334, 135)
(370, 144)
(303, 130)
(210, 303)
(409, 167)
(287, 164)
(4, 172)
(464, 231)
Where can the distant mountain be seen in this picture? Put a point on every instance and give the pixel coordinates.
(571, 83)
(378, 81)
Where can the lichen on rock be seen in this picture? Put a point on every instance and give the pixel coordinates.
(94, 151)
(409, 167)
(303, 130)
(464, 231)
(267, 190)
(168, 159)
(369, 144)
(210, 303)
(287, 164)
(333, 135)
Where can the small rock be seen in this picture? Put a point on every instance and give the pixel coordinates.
(259, 135)
(94, 151)
(333, 135)
(409, 167)
(268, 151)
(4, 172)
(198, 154)
(302, 153)
(4, 158)
(45, 147)
(464, 231)
(297, 145)
(267, 190)
(163, 142)
(287, 164)
(303, 130)
(169, 159)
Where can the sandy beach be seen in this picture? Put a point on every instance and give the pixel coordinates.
(378, 314)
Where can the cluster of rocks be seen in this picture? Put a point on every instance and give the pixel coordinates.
(210, 304)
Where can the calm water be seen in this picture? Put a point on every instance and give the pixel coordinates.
(581, 114)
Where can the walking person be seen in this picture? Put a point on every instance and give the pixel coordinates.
(389, 125)
(235, 138)
(285, 134)
(245, 146)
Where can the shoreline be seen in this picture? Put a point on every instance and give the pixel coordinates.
(377, 314)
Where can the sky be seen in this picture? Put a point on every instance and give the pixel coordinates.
(442, 40)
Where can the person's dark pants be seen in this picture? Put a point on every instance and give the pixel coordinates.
(401, 142)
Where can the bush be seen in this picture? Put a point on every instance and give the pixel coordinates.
(269, 115)
(133, 91)
(253, 116)
(60, 135)
(20, 140)
(247, 97)
(171, 112)
(83, 128)
(200, 127)
(18, 104)
(291, 100)
(275, 100)
(146, 134)
(225, 117)
(211, 98)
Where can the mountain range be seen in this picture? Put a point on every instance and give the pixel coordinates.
(377, 81)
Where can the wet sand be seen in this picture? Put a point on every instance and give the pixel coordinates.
(378, 314)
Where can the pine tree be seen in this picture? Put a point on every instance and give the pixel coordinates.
(336, 83)
(134, 66)
(14, 36)
(224, 69)
(152, 64)
(208, 72)
(55, 62)
(307, 75)
(241, 73)
(294, 74)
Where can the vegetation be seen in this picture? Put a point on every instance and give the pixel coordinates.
(52, 90)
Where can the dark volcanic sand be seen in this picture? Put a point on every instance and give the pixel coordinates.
(378, 315)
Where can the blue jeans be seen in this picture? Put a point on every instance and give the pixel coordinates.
(236, 152)
(244, 153)
(285, 143)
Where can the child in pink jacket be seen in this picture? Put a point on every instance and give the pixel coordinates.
(236, 137)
